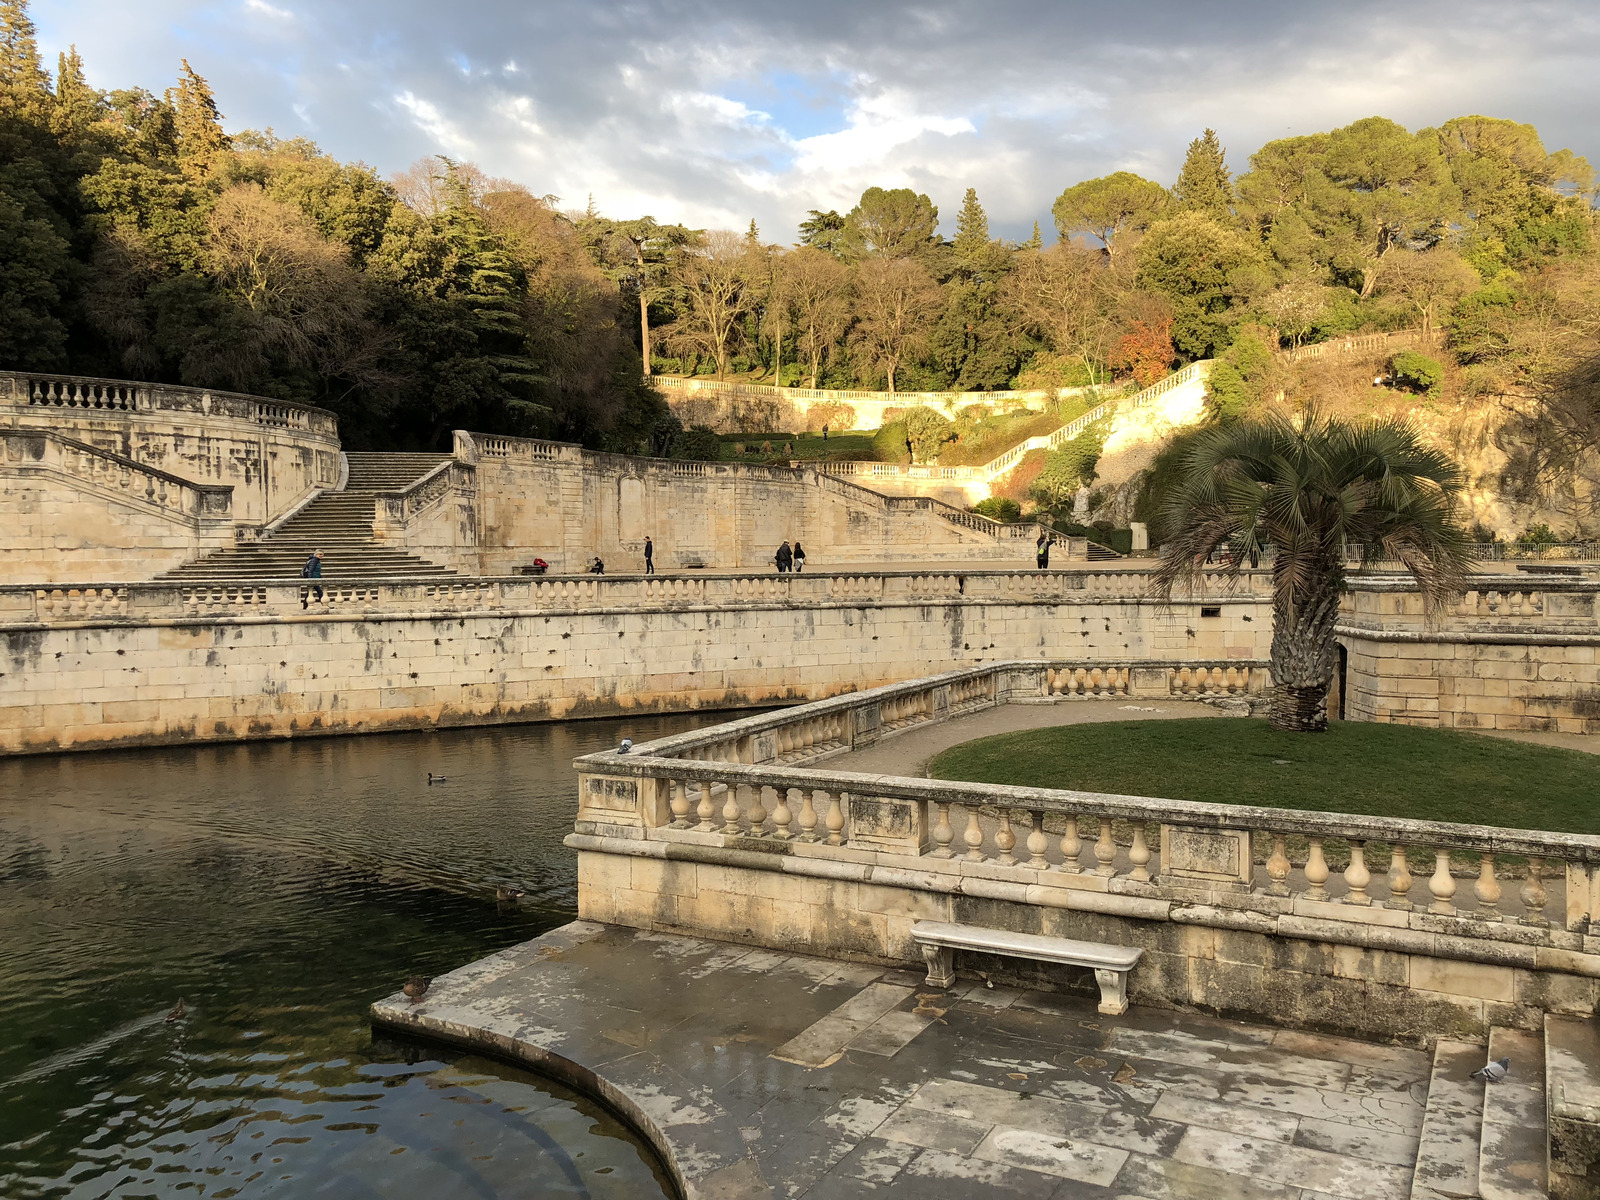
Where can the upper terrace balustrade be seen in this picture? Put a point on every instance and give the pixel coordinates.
(108, 397)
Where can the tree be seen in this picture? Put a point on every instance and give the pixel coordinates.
(1294, 306)
(1066, 295)
(895, 300)
(1109, 207)
(1204, 183)
(1428, 281)
(892, 223)
(712, 279)
(639, 255)
(24, 85)
(927, 431)
(1146, 350)
(201, 142)
(1307, 488)
(972, 227)
(818, 286)
(824, 231)
(1205, 269)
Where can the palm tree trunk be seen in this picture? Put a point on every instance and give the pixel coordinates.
(1303, 657)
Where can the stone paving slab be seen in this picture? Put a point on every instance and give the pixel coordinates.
(762, 1074)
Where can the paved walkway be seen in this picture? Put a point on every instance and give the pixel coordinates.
(763, 1074)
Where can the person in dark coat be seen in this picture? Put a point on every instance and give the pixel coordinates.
(649, 558)
(784, 558)
(312, 570)
(799, 556)
(1042, 549)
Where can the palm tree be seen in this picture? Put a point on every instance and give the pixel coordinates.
(1308, 488)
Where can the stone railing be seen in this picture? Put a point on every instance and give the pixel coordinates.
(1035, 397)
(400, 507)
(476, 447)
(46, 604)
(1367, 343)
(1542, 608)
(109, 397)
(43, 449)
(750, 795)
(1005, 461)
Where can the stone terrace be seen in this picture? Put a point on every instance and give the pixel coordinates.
(764, 1074)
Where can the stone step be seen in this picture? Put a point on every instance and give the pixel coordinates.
(1452, 1125)
(1511, 1157)
(1572, 1074)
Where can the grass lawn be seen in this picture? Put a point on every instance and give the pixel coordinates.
(1356, 767)
(807, 446)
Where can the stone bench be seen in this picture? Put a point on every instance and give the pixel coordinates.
(940, 940)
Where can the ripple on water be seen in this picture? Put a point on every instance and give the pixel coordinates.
(280, 888)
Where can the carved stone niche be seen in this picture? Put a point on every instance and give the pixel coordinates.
(615, 800)
(1220, 858)
(889, 824)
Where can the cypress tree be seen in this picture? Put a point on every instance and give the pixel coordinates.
(24, 86)
(1205, 184)
(201, 142)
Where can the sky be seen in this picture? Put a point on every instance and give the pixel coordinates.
(714, 112)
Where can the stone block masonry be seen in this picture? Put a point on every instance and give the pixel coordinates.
(122, 667)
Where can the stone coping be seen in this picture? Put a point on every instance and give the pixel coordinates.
(759, 1073)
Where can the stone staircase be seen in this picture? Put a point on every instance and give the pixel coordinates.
(337, 523)
(1484, 1141)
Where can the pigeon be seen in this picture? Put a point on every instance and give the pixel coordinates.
(417, 987)
(1493, 1072)
(507, 894)
(433, 779)
(627, 744)
(180, 1010)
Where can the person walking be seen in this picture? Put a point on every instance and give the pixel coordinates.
(799, 556)
(1042, 551)
(312, 570)
(784, 558)
(649, 558)
(598, 566)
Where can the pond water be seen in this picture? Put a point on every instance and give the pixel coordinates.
(279, 888)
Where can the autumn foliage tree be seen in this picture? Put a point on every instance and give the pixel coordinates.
(1145, 350)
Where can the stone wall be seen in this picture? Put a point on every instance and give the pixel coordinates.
(272, 454)
(70, 511)
(567, 505)
(1520, 657)
(83, 668)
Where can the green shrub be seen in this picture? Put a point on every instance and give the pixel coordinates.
(1240, 378)
(1071, 467)
(999, 508)
(698, 442)
(1418, 373)
(889, 443)
(928, 431)
(1538, 535)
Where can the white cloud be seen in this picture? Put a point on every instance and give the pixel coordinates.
(427, 117)
(268, 10)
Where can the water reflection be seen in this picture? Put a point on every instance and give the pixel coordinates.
(279, 888)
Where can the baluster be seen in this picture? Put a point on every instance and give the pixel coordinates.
(1316, 872)
(1004, 840)
(1356, 876)
(1487, 889)
(705, 810)
(943, 834)
(835, 819)
(680, 803)
(1399, 879)
(730, 810)
(1139, 855)
(1533, 895)
(808, 815)
(973, 836)
(757, 811)
(1440, 885)
(1105, 850)
(1038, 844)
(1278, 867)
(781, 816)
(1071, 846)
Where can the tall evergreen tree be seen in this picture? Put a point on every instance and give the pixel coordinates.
(972, 226)
(1036, 242)
(78, 106)
(1205, 184)
(201, 142)
(24, 85)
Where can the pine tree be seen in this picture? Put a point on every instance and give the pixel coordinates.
(24, 86)
(752, 235)
(201, 141)
(972, 226)
(78, 106)
(1036, 242)
(1205, 184)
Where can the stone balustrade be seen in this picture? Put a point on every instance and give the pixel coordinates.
(49, 603)
(68, 393)
(754, 801)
